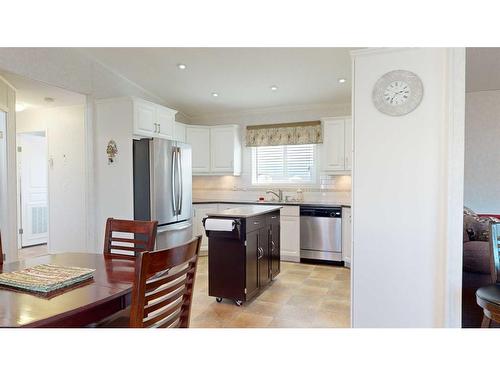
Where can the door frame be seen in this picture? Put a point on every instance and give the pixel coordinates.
(453, 207)
(9, 238)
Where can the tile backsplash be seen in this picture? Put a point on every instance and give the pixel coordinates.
(335, 189)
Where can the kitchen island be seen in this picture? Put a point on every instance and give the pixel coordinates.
(244, 251)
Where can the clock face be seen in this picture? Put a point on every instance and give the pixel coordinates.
(397, 93)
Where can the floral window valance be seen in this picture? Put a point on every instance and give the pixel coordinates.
(297, 133)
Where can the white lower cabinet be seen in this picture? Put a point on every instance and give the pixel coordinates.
(199, 213)
(290, 233)
(346, 236)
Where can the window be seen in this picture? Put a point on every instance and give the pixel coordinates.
(293, 164)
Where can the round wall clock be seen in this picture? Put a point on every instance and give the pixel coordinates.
(397, 93)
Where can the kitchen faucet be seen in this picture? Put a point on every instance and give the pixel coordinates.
(279, 194)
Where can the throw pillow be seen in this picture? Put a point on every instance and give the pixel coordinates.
(477, 227)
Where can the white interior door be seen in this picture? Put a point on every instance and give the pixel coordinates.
(33, 188)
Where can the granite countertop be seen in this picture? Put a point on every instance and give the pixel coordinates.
(245, 211)
(254, 202)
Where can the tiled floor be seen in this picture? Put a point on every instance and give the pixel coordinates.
(302, 296)
(32, 251)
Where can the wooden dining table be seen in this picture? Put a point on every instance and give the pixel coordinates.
(76, 306)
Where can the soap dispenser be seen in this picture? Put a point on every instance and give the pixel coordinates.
(300, 195)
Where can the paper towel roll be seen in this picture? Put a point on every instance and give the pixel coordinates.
(221, 225)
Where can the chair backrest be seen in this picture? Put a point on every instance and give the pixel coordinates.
(163, 287)
(495, 249)
(127, 238)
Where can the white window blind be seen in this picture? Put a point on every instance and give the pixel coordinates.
(284, 164)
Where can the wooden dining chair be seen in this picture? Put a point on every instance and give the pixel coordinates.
(488, 297)
(127, 238)
(163, 289)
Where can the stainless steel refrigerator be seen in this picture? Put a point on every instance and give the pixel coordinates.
(163, 188)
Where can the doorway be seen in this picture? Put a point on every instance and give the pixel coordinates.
(49, 146)
(32, 177)
(481, 176)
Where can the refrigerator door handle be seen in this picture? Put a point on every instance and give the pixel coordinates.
(172, 179)
(179, 176)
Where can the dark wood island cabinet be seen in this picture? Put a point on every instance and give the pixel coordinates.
(243, 251)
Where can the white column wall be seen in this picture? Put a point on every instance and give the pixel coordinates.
(407, 193)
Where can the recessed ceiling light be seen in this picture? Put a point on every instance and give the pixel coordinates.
(342, 80)
(181, 66)
(274, 87)
(214, 94)
(20, 107)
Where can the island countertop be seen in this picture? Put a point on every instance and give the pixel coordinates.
(245, 211)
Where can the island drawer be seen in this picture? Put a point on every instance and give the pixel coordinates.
(274, 218)
(254, 223)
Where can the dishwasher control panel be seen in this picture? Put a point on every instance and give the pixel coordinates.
(321, 211)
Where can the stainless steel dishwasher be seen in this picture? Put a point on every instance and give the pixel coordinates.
(321, 233)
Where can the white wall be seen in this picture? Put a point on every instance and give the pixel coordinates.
(66, 148)
(482, 151)
(115, 196)
(407, 194)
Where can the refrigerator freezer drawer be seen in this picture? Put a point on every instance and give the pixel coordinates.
(174, 234)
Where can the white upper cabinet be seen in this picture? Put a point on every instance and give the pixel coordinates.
(165, 118)
(199, 139)
(222, 149)
(216, 149)
(153, 120)
(179, 132)
(336, 149)
(144, 117)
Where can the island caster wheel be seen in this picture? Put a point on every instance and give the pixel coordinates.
(238, 302)
(218, 299)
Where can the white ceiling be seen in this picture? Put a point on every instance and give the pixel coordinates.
(483, 69)
(32, 93)
(241, 76)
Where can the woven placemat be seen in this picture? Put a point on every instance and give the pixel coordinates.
(45, 278)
